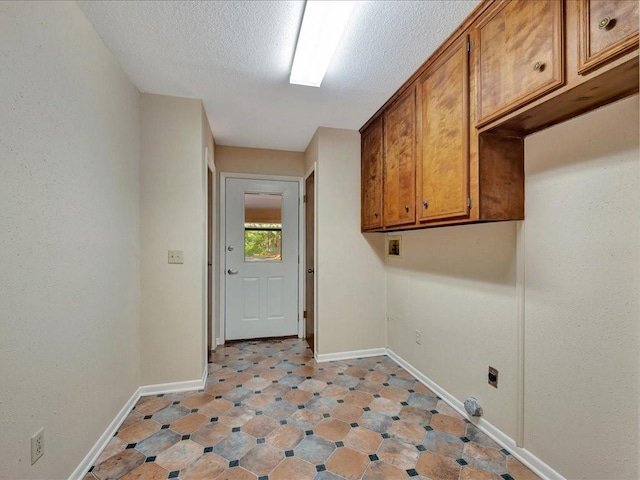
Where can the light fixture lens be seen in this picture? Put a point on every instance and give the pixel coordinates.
(323, 24)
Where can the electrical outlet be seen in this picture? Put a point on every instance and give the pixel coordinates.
(418, 337)
(176, 256)
(37, 446)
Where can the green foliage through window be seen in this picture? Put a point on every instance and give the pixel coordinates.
(262, 241)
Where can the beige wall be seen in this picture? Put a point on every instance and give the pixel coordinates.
(311, 153)
(69, 149)
(258, 161)
(582, 255)
(580, 244)
(350, 268)
(457, 286)
(172, 217)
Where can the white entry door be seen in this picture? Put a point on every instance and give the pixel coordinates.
(261, 258)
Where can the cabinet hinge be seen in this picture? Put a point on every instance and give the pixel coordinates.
(304, 314)
(304, 198)
(469, 202)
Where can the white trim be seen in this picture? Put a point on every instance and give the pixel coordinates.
(86, 463)
(370, 352)
(174, 386)
(221, 244)
(221, 272)
(214, 246)
(84, 466)
(314, 170)
(301, 258)
(205, 253)
(311, 170)
(520, 301)
(540, 468)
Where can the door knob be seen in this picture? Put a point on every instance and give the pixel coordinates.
(310, 270)
(230, 248)
(231, 271)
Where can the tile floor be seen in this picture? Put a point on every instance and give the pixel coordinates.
(270, 412)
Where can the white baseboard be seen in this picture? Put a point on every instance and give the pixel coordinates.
(142, 391)
(329, 357)
(174, 386)
(540, 468)
(102, 442)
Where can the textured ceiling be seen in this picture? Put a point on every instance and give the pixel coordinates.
(236, 56)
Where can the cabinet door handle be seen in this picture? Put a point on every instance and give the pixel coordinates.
(605, 22)
(538, 66)
(425, 204)
(406, 208)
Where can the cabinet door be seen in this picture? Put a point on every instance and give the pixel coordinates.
(608, 29)
(520, 55)
(400, 161)
(443, 162)
(372, 176)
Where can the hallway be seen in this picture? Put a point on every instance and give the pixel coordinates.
(269, 411)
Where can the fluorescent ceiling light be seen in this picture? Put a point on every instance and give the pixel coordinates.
(322, 26)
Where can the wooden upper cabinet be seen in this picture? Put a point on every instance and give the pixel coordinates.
(372, 176)
(443, 156)
(608, 29)
(400, 160)
(520, 55)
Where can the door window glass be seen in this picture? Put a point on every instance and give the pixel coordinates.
(262, 227)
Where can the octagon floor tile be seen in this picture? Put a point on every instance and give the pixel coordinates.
(324, 425)
(158, 442)
(179, 455)
(363, 440)
(332, 429)
(261, 459)
(234, 446)
(383, 471)
(437, 467)
(285, 437)
(119, 465)
(293, 468)
(398, 453)
(348, 463)
(189, 423)
(147, 471)
(260, 426)
(314, 449)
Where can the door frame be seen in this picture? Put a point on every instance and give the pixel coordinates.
(312, 169)
(223, 232)
(208, 165)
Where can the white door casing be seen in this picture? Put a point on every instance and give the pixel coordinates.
(261, 299)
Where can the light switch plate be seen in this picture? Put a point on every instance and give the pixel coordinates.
(176, 256)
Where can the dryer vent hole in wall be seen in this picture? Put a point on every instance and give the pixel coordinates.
(493, 377)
